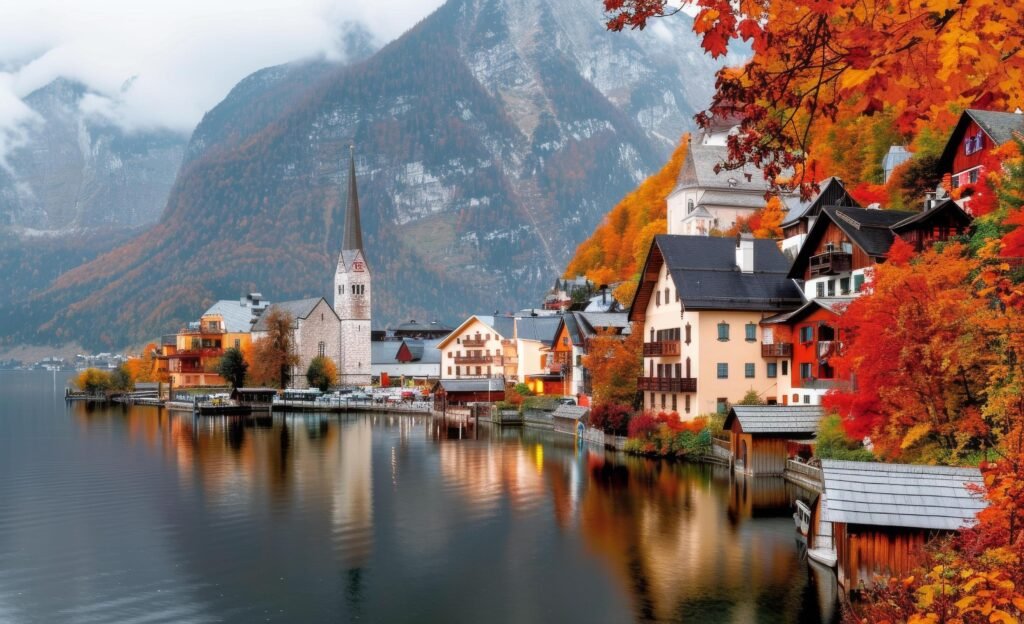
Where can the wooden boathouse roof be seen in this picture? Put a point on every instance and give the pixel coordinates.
(778, 420)
(901, 495)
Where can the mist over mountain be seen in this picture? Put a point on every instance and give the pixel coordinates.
(491, 139)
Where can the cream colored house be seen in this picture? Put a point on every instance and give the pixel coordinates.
(476, 349)
(699, 304)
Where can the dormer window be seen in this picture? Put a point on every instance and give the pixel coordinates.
(689, 206)
(973, 144)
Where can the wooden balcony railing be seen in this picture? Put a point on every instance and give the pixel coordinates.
(478, 359)
(667, 384)
(830, 263)
(777, 349)
(473, 342)
(661, 348)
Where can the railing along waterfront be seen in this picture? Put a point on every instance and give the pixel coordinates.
(667, 384)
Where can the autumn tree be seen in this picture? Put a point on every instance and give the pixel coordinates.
(273, 356)
(233, 367)
(143, 367)
(93, 381)
(322, 373)
(614, 363)
(817, 64)
(917, 350)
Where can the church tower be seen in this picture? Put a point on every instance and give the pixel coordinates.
(352, 290)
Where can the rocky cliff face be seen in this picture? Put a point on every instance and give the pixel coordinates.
(76, 172)
(491, 139)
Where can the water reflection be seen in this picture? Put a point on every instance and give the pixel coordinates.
(408, 518)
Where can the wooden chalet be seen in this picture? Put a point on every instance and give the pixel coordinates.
(877, 517)
(760, 435)
(975, 135)
(802, 214)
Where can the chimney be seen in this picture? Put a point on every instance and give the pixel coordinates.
(930, 201)
(745, 254)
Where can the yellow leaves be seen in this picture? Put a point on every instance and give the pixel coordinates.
(914, 434)
(853, 78)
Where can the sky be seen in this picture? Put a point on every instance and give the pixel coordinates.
(162, 64)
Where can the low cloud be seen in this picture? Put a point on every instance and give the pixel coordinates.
(161, 64)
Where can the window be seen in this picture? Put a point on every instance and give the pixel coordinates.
(973, 143)
(687, 333)
(479, 370)
(806, 334)
(723, 370)
(689, 206)
(796, 398)
(751, 332)
(805, 370)
(238, 343)
(662, 401)
(858, 282)
(972, 175)
(807, 399)
(657, 298)
(723, 331)
(321, 348)
(674, 404)
(449, 370)
(579, 360)
(721, 405)
(341, 289)
(652, 400)
(820, 289)
(748, 370)
(773, 370)
(844, 285)
(458, 371)
(686, 403)
(679, 370)
(785, 367)
(832, 288)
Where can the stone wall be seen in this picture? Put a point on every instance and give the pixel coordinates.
(320, 326)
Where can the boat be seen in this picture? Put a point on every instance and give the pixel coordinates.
(802, 517)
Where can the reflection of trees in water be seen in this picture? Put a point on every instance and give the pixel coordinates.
(670, 534)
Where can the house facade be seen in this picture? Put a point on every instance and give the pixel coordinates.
(699, 303)
(476, 349)
(975, 135)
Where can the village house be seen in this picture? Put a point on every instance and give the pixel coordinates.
(536, 366)
(700, 302)
(572, 341)
(481, 347)
(975, 135)
(407, 359)
(192, 356)
(315, 332)
(802, 214)
(873, 518)
(763, 437)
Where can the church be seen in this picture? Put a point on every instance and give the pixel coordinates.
(342, 331)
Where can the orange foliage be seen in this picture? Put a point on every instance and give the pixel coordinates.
(616, 249)
(614, 363)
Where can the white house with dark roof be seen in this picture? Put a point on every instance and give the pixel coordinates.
(700, 301)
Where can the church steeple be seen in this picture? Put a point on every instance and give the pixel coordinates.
(353, 238)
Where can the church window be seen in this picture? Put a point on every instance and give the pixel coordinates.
(341, 289)
(321, 348)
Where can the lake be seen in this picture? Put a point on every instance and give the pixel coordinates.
(134, 514)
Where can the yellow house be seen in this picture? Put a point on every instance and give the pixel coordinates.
(700, 302)
(198, 348)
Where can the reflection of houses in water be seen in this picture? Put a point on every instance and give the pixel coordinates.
(661, 527)
(484, 474)
(751, 497)
(352, 502)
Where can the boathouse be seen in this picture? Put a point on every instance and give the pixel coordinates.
(463, 391)
(568, 418)
(881, 515)
(760, 435)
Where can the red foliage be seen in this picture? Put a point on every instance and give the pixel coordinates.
(611, 418)
(867, 193)
(643, 425)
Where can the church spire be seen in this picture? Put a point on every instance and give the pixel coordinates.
(353, 238)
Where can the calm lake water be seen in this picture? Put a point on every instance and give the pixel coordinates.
(136, 515)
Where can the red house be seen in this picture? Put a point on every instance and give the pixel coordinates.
(976, 134)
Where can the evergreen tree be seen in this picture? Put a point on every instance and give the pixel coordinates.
(233, 367)
(322, 373)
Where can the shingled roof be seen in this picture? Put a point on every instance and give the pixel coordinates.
(777, 420)
(998, 125)
(831, 192)
(900, 495)
(704, 272)
(698, 171)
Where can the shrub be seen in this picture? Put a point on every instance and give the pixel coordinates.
(612, 418)
(833, 443)
(642, 425)
(751, 398)
(522, 389)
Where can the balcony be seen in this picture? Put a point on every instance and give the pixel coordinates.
(830, 263)
(661, 348)
(811, 383)
(667, 384)
(478, 359)
(776, 350)
(473, 342)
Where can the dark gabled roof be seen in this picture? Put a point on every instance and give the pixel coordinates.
(539, 328)
(900, 495)
(298, 309)
(703, 269)
(947, 205)
(776, 420)
(998, 125)
(835, 305)
(831, 192)
(869, 229)
(572, 328)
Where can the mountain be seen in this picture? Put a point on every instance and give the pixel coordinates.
(76, 171)
(492, 137)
